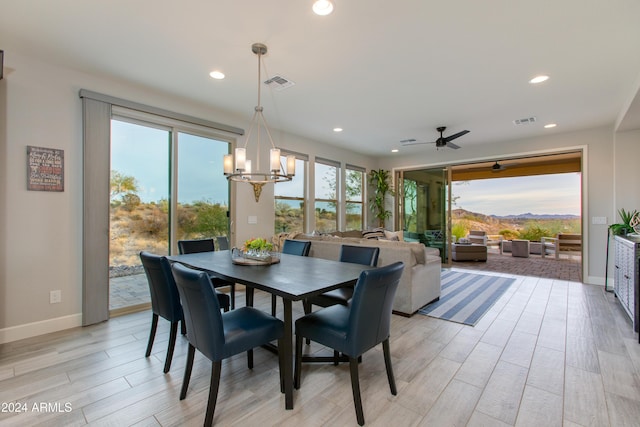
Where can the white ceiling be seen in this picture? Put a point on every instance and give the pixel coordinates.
(383, 71)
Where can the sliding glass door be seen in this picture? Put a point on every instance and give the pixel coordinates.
(166, 185)
(423, 209)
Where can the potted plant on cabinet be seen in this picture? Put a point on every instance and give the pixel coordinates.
(625, 227)
(380, 180)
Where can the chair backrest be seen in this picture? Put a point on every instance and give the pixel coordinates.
(223, 243)
(296, 247)
(165, 301)
(201, 311)
(365, 255)
(196, 246)
(370, 308)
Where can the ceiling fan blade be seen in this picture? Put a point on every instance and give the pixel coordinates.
(412, 141)
(455, 135)
(452, 145)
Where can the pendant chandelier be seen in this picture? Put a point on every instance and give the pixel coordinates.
(240, 168)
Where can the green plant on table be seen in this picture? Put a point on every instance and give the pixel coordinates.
(257, 244)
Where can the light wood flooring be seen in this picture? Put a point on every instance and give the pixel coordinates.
(548, 353)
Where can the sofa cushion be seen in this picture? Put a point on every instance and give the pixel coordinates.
(373, 233)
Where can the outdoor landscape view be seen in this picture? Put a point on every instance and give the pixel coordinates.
(522, 207)
(526, 208)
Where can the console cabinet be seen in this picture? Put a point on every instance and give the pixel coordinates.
(627, 275)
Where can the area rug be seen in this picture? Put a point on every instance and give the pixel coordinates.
(466, 297)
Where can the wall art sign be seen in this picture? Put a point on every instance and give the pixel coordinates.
(45, 169)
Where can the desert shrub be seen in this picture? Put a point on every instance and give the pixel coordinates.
(130, 201)
(534, 232)
(508, 234)
(460, 229)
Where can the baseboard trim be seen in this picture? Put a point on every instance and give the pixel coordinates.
(29, 330)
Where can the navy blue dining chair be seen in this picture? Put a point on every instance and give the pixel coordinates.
(354, 329)
(165, 301)
(365, 255)
(223, 243)
(207, 245)
(220, 335)
(291, 247)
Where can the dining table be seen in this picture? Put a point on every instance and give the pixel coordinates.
(293, 278)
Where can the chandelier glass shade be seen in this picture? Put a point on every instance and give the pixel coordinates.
(239, 167)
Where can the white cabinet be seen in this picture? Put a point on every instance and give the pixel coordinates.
(626, 276)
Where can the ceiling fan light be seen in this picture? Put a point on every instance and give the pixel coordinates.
(322, 7)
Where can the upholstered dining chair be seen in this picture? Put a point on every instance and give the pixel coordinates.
(356, 328)
(291, 247)
(207, 245)
(220, 335)
(165, 301)
(223, 243)
(365, 255)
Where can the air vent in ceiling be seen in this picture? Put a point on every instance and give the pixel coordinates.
(279, 82)
(525, 121)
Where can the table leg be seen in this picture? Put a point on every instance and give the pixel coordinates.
(249, 296)
(288, 354)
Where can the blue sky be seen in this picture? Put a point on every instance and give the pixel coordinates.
(542, 194)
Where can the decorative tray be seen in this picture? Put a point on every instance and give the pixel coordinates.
(242, 258)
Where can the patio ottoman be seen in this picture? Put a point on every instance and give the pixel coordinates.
(520, 248)
(473, 252)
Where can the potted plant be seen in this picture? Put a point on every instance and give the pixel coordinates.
(380, 180)
(625, 227)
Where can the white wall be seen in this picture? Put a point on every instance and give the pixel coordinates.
(41, 232)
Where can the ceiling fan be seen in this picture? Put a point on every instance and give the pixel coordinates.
(440, 142)
(497, 167)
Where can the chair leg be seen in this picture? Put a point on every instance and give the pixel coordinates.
(183, 327)
(336, 358)
(172, 344)
(273, 305)
(250, 359)
(355, 387)
(306, 305)
(387, 364)
(298, 366)
(232, 294)
(187, 371)
(213, 392)
(152, 334)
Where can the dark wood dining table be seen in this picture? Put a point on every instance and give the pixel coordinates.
(294, 278)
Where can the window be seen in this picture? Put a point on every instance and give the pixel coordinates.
(166, 185)
(326, 195)
(290, 197)
(354, 207)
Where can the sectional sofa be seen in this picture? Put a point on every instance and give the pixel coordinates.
(420, 281)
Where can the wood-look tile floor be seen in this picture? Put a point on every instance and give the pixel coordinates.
(548, 353)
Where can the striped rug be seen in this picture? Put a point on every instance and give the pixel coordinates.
(466, 297)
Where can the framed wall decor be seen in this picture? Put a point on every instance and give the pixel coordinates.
(45, 169)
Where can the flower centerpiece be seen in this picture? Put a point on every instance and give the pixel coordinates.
(258, 249)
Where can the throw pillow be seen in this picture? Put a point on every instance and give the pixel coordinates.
(373, 234)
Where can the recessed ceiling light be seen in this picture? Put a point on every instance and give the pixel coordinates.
(218, 75)
(322, 7)
(550, 125)
(539, 79)
(337, 129)
(395, 150)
